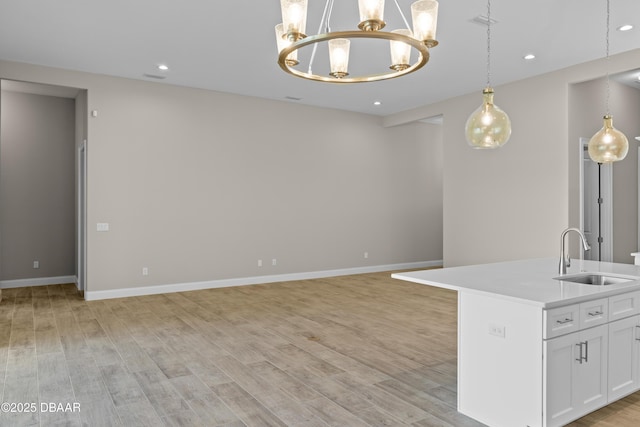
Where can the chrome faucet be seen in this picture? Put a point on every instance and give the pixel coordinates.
(565, 260)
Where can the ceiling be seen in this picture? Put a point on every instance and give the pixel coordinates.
(230, 46)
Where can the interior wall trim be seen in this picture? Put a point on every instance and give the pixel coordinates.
(255, 280)
(37, 281)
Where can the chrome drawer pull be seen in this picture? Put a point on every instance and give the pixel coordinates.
(637, 339)
(595, 313)
(566, 320)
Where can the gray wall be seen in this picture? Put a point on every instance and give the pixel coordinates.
(37, 217)
(587, 106)
(513, 202)
(199, 185)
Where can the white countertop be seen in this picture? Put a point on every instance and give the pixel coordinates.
(528, 281)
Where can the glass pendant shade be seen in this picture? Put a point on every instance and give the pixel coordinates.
(488, 126)
(400, 52)
(294, 18)
(608, 144)
(339, 57)
(282, 42)
(424, 14)
(371, 15)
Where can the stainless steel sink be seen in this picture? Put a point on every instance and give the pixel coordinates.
(594, 279)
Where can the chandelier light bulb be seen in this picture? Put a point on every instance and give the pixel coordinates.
(488, 126)
(281, 42)
(424, 14)
(371, 15)
(608, 144)
(400, 52)
(339, 57)
(294, 18)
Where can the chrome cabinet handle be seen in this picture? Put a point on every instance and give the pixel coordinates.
(584, 357)
(566, 320)
(637, 327)
(586, 352)
(595, 313)
(579, 359)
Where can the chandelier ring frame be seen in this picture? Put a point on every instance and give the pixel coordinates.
(421, 46)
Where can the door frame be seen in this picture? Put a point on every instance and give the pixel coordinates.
(607, 205)
(81, 279)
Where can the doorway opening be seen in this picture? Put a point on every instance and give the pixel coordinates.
(43, 173)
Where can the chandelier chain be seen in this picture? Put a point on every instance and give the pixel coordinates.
(488, 43)
(607, 60)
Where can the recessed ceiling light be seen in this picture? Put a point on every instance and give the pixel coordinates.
(625, 27)
(163, 67)
(377, 103)
(529, 56)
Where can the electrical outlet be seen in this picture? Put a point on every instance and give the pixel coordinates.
(102, 226)
(145, 271)
(497, 330)
(36, 264)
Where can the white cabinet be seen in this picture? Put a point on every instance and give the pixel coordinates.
(624, 305)
(522, 365)
(575, 374)
(624, 357)
(571, 318)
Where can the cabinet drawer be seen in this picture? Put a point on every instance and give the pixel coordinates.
(561, 320)
(593, 313)
(624, 305)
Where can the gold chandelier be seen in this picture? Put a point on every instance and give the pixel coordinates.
(291, 39)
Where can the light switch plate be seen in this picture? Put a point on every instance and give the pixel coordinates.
(102, 226)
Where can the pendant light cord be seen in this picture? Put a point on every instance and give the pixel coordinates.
(406, 23)
(489, 43)
(607, 61)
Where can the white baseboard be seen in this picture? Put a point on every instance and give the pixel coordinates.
(195, 286)
(38, 281)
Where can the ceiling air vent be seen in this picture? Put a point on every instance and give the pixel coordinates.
(155, 76)
(483, 20)
(292, 98)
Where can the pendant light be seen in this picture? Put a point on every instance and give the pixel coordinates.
(488, 126)
(608, 144)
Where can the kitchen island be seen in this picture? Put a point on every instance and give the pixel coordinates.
(535, 351)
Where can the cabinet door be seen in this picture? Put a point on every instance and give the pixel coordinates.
(560, 355)
(575, 378)
(623, 357)
(590, 386)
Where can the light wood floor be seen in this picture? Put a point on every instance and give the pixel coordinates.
(362, 350)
